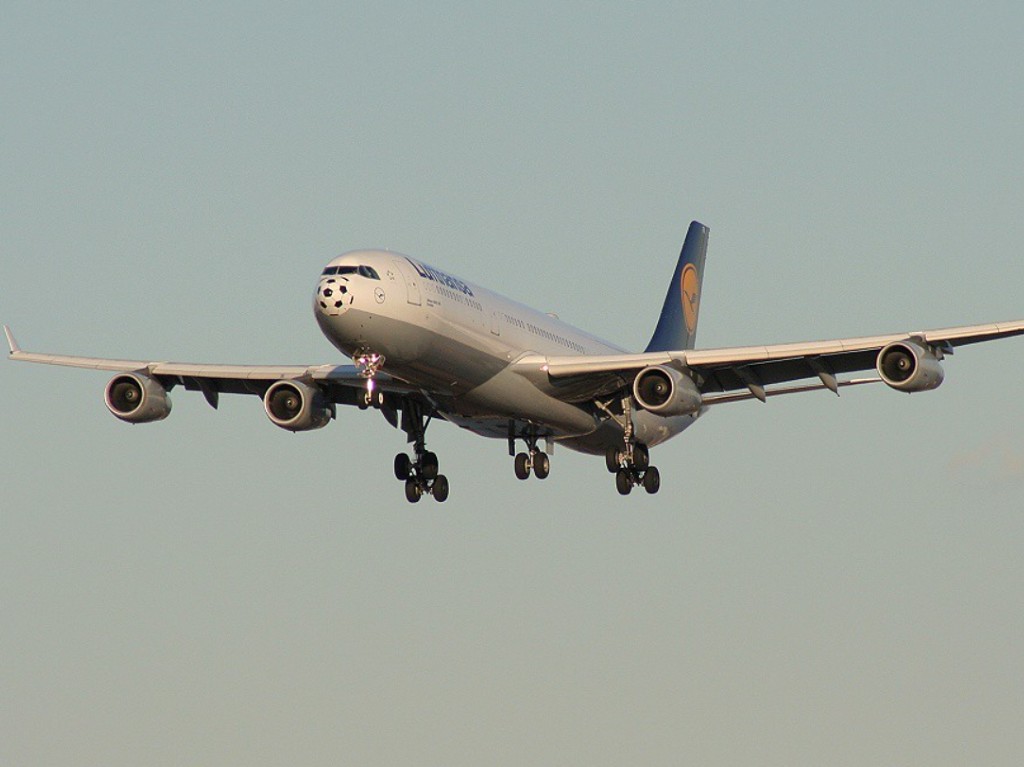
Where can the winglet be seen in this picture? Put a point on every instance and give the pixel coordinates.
(10, 341)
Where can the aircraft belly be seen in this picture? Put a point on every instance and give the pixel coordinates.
(608, 434)
(649, 429)
(508, 395)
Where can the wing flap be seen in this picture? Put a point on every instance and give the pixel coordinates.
(737, 396)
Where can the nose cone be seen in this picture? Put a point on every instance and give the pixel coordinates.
(333, 296)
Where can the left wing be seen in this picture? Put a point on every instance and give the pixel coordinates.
(719, 372)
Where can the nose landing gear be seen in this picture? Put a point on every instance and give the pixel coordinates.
(369, 364)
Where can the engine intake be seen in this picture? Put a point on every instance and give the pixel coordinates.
(665, 391)
(297, 406)
(137, 398)
(909, 366)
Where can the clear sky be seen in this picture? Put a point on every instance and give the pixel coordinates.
(820, 580)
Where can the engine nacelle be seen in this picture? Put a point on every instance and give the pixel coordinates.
(908, 366)
(665, 391)
(297, 406)
(137, 398)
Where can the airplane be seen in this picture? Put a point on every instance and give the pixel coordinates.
(429, 345)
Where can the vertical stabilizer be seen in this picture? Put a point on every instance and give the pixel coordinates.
(677, 325)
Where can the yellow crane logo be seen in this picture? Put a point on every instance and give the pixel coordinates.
(690, 287)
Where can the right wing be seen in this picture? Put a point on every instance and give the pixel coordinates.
(341, 384)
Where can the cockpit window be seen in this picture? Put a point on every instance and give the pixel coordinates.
(343, 269)
(369, 271)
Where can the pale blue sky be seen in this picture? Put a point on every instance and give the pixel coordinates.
(819, 581)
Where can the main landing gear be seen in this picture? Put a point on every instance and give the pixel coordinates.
(419, 472)
(535, 460)
(631, 466)
(631, 463)
(421, 477)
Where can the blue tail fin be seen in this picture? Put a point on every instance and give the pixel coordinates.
(677, 325)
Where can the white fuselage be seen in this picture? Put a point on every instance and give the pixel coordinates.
(455, 341)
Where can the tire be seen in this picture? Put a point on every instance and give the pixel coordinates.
(429, 465)
(522, 466)
(641, 457)
(413, 490)
(623, 482)
(611, 459)
(403, 467)
(652, 480)
(440, 488)
(541, 466)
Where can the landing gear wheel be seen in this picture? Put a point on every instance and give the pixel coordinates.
(522, 466)
(611, 459)
(403, 467)
(623, 481)
(641, 458)
(429, 465)
(413, 490)
(541, 465)
(440, 488)
(652, 480)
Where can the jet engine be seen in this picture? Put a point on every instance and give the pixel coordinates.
(910, 367)
(665, 391)
(137, 398)
(297, 406)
